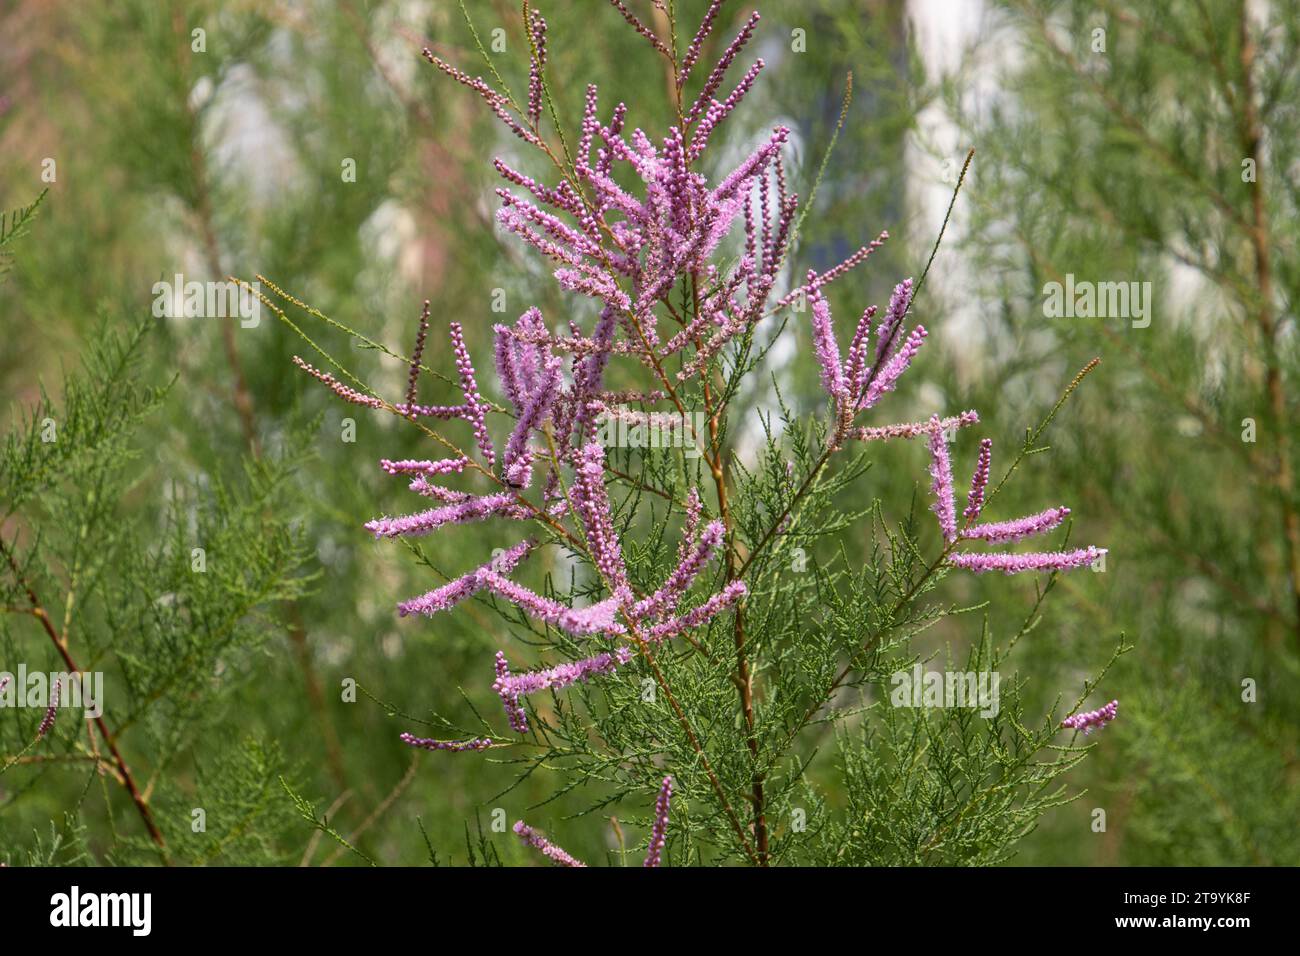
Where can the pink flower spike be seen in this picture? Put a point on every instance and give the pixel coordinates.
(48, 720)
(453, 592)
(887, 334)
(1093, 719)
(1018, 528)
(692, 563)
(591, 501)
(424, 522)
(725, 598)
(824, 345)
(694, 507)
(885, 380)
(408, 466)
(561, 675)
(978, 482)
(544, 846)
(594, 619)
(515, 713)
(660, 830)
(476, 405)
(533, 414)
(941, 484)
(1036, 561)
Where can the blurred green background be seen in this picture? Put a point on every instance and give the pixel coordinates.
(1111, 146)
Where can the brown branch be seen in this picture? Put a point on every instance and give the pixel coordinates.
(123, 771)
(716, 460)
(1284, 480)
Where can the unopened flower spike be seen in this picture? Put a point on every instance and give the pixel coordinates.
(345, 392)
(453, 746)
(544, 846)
(537, 34)
(48, 720)
(914, 429)
(516, 716)
(979, 481)
(425, 467)
(697, 42)
(660, 830)
(941, 482)
(413, 376)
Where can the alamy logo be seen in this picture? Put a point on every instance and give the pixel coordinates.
(37, 690)
(207, 300)
(922, 688)
(1098, 300)
(134, 910)
(623, 427)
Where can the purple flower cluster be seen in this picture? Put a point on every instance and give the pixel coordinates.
(626, 250)
(453, 592)
(510, 688)
(856, 384)
(630, 222)
(1093, 719)
(998, 531)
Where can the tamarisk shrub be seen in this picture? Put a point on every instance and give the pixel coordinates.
(682, 640)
